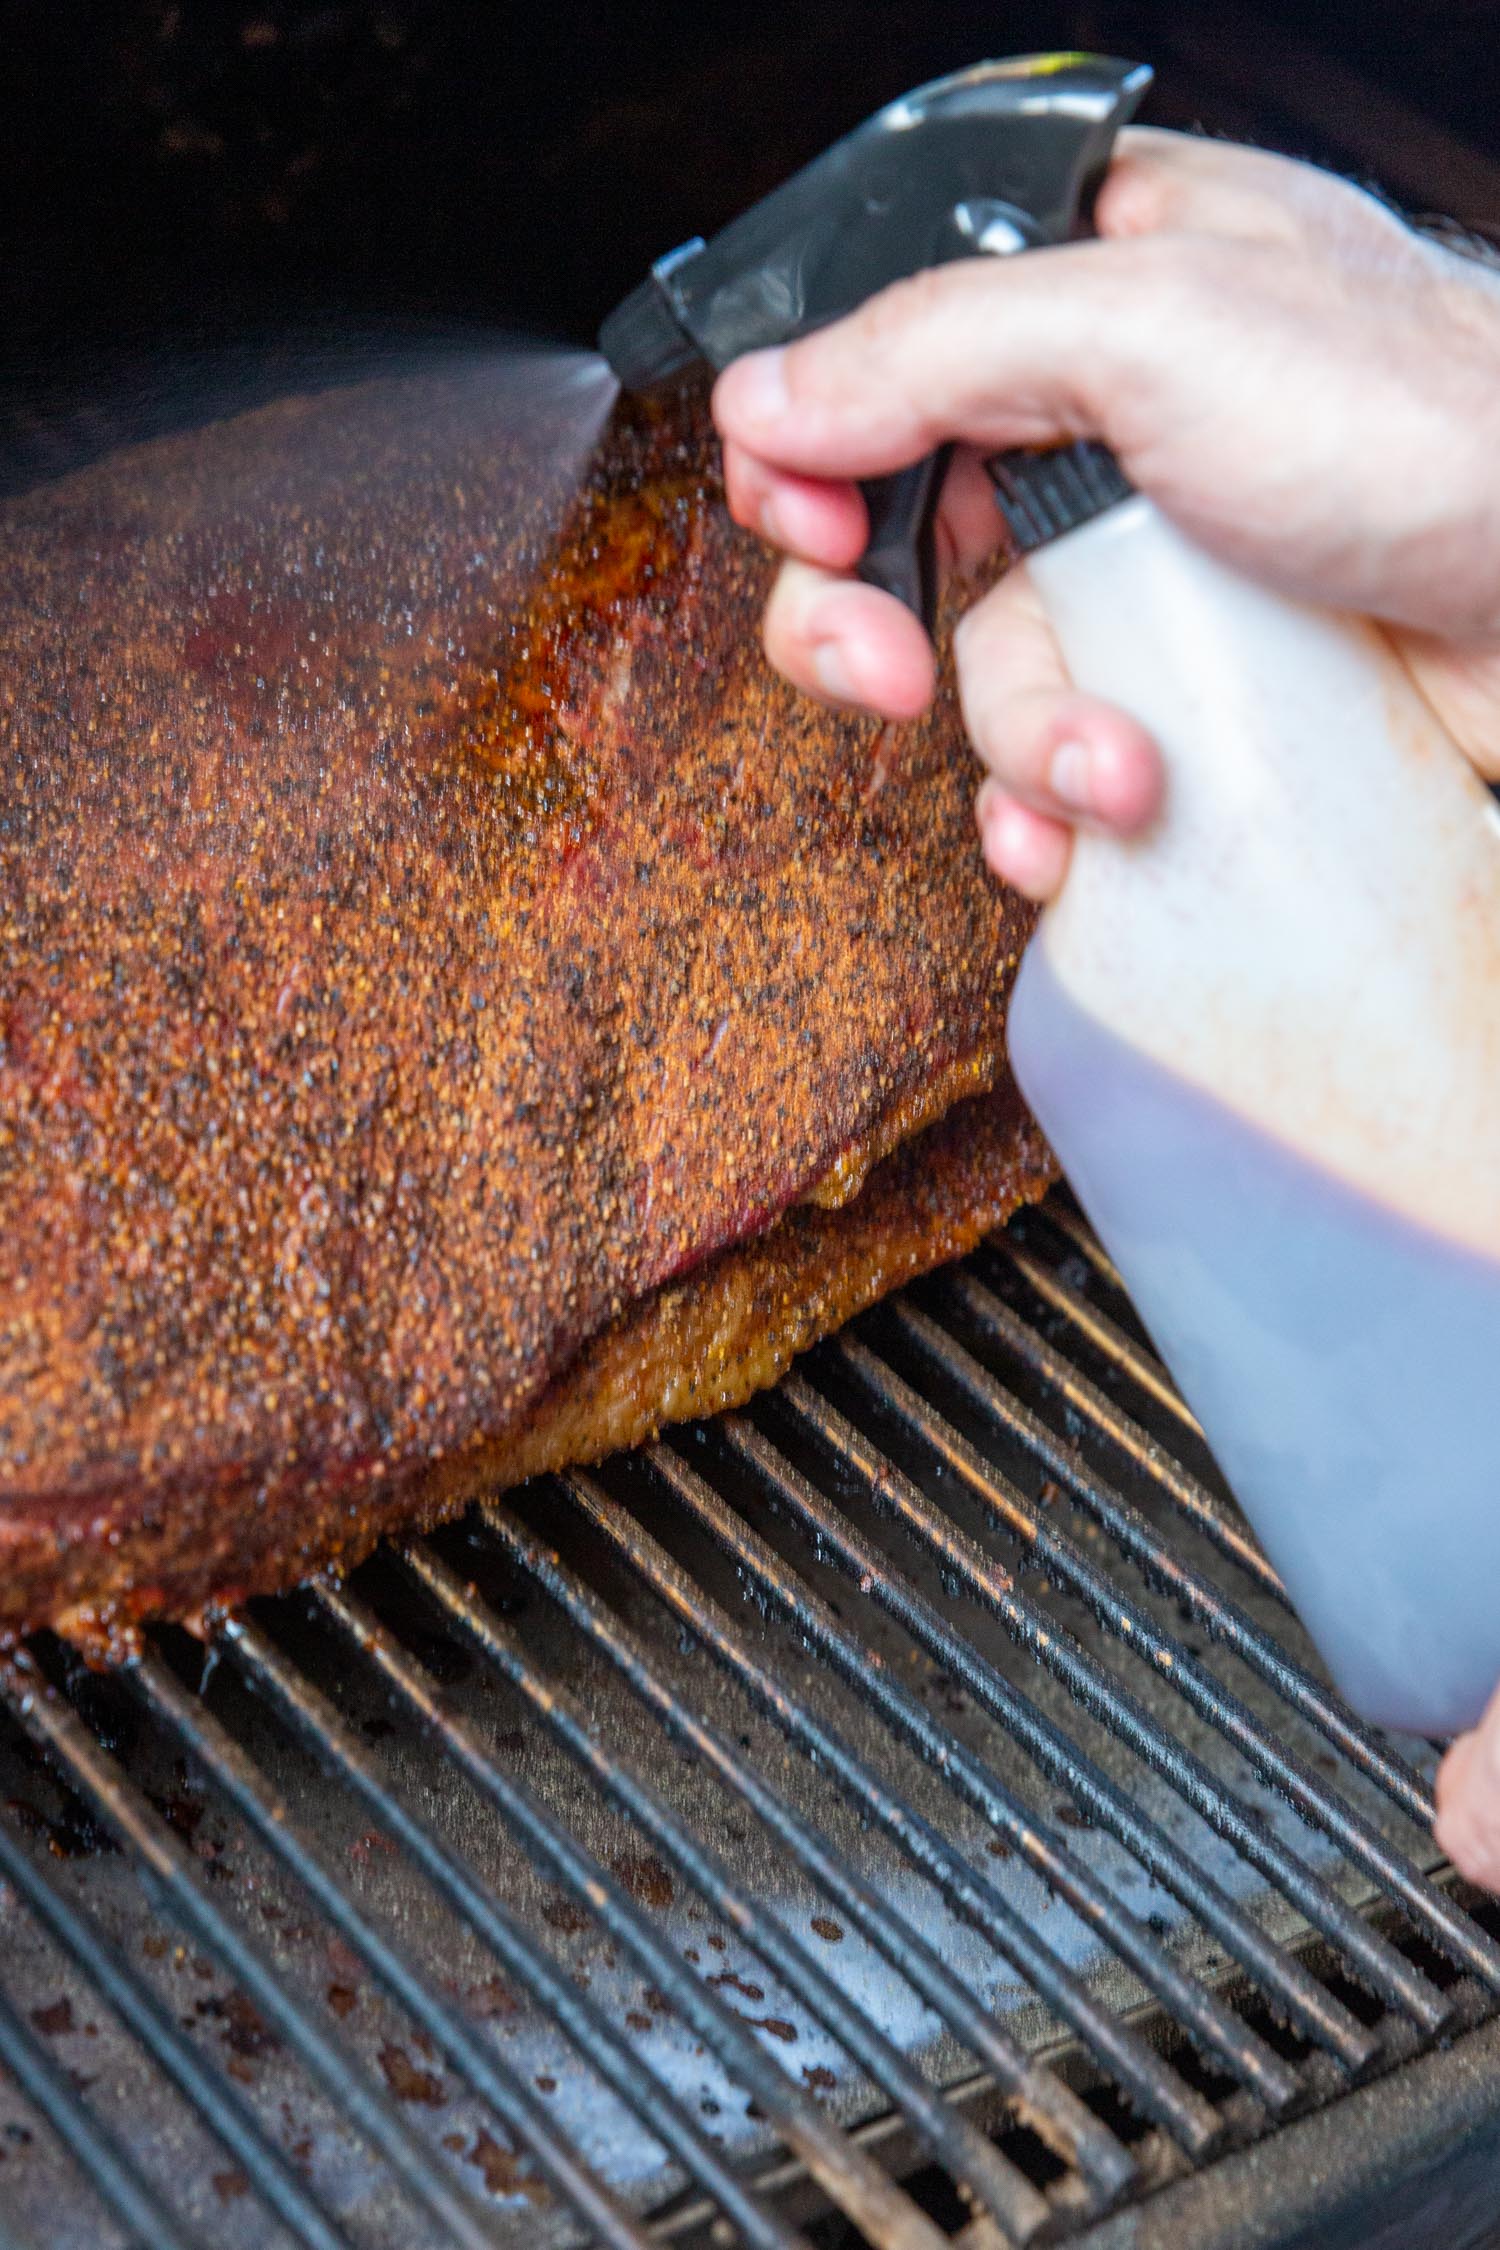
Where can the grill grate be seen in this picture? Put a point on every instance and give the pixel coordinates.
(910, 1799)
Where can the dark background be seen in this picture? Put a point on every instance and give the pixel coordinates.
(176, 175)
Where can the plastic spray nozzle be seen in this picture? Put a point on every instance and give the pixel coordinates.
(999, 158)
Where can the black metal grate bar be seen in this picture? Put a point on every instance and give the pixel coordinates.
(947, 2136)
(221, 2108)
(1040, 2099)
(590, 2030)
(113, 2172)
(1083, 1238)
(1444, 1923)
(1148, 2080)
(178, 1885)
(1135, 1536)
(850, 2178)
(1099, 1692)
(470, 2055)
(1202, 2015)
(1290, 1987)
(1073, 1388)
(1142, 1368)
(1056, 2164)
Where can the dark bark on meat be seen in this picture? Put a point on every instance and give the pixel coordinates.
(426, 929)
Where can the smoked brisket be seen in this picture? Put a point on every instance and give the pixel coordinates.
(451, 991)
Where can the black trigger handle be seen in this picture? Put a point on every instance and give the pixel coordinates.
(900, 555)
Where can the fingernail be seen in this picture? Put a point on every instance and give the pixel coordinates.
(832, 672)
(1070, 775)
(760, 387)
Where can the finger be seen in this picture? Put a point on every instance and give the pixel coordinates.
(826, 521)
(822, 521)
(1185, 181)
(848, 643)
(969, 524)
(1467, 1827)
(1086, 339)
(1022, 847)
(1065, 755)
(993, 352)
(1160, 180)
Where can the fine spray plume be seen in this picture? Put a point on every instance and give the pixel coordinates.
(1263, 1038)
(549, 401)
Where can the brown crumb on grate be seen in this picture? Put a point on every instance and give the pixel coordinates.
(502, 2171)
(407, 2082)
(491, 2000)
(644, 1876)
(737, 1983)
(777, 2026)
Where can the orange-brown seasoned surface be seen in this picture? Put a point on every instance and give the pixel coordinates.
(427, 932)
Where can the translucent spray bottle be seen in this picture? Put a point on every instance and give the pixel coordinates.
(1264, 1040)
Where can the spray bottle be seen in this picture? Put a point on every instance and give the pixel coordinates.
(1263, 1037)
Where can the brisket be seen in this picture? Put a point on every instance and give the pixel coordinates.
(451, 991)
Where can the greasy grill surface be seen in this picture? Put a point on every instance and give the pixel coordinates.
(909, 1800)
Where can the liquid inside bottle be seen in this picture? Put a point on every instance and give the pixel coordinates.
(1344, 1361)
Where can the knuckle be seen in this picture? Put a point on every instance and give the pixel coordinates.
(1343, 209)
(1141, 195)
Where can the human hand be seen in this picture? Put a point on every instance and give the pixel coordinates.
(1307, 388)
(1467, 1827)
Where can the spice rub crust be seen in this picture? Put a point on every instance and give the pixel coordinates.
(428, 931)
